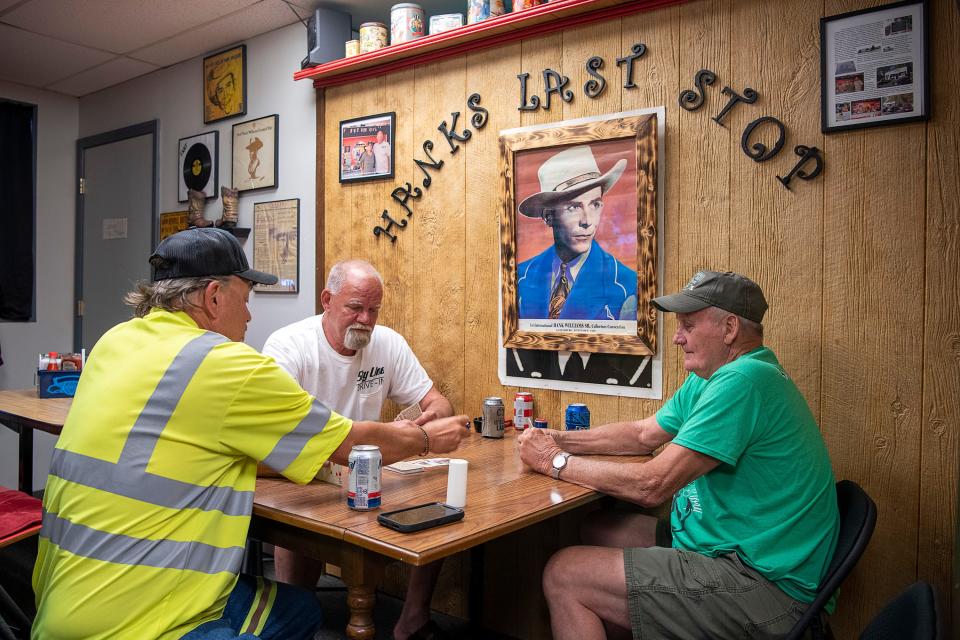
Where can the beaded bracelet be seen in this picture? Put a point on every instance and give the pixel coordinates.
(426, 441)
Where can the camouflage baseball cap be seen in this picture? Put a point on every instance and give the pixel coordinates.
(728, 291)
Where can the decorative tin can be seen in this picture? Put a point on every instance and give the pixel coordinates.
(523, 410)
(478, 10)
(373, 36)
(445, 22)
(492, 418)
(520, 5)
(352, 48)
(406, 22)
(363, 489)
(577, 417)
(540, 423)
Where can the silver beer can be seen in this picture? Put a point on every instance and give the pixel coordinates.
(363, 489)
(492, 418)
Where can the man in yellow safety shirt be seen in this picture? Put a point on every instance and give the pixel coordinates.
(151, 483)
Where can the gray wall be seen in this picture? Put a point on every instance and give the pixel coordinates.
(57, 121)
(172, 96)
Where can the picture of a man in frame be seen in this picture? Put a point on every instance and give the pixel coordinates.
(575, 278)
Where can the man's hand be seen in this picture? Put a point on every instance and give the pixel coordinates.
(445, 434)
(538, 448)
(425, 417)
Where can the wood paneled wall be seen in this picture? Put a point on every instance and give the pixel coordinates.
(860, 266)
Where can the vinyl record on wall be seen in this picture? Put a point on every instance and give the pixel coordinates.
(197, 165)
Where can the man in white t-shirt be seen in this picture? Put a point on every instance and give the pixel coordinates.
(343, 359)
(381, 153)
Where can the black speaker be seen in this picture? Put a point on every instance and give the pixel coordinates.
(327, 32)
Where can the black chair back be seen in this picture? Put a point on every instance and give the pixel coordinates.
(858, 517)
(912, 615)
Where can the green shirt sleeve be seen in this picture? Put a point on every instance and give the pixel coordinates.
(724, 419)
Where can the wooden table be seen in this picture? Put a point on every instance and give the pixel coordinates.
(22, 411)
(502, 496)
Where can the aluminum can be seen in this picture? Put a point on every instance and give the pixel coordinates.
(540, 423)
(523, 410)
(373, 36)
(492, 418)
(445, 22)
(577, 417)
(407, 22)
(352, 48)
(520, 5)
(363, 488)
(478, 10)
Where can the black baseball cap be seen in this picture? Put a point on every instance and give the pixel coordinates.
(202, 252)
(728, 291)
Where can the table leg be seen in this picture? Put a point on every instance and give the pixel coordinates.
(361, 572)
(26, 460)
(360, 599)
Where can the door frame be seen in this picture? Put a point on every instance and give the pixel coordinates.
(152, 128)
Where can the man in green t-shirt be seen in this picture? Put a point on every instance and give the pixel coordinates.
(754, 518)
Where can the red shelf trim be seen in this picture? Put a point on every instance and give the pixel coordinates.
(489, 33)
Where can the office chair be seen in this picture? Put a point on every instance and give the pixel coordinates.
(912, 615)
(858, 517)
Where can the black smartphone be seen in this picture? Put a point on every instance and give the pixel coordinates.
(422, 516)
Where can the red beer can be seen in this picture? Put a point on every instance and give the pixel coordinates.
(523, 410)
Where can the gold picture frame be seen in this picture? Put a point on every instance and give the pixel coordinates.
(586, 194)
(225, 84)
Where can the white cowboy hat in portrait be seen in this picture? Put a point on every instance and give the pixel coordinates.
(566, 175)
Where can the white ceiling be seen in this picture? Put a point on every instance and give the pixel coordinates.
(78, 47)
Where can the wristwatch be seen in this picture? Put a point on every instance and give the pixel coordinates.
(559, 464)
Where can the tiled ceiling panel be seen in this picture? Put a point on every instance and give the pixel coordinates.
(38, 61)
(118, 26)
(262, 17)
(106, 75)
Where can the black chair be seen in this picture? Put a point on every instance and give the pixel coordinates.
(858, 517)
(912, 615)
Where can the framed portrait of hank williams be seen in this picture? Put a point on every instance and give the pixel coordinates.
(578, 234)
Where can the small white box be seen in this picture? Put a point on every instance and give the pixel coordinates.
(445, 22)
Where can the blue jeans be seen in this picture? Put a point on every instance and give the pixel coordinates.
(259, 608)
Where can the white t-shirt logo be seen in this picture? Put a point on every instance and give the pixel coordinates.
(369, 380)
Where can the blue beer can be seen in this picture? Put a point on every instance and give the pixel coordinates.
(540, 423)
(577, 417)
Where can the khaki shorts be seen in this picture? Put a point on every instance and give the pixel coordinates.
(682, 594)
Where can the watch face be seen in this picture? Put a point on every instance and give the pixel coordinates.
(559, 461)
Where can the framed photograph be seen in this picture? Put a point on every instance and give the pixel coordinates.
(197, 166)
(612, 374)
(366, 147)
(874, 67)
(578, 234)
(172, 222)
(225, 84)
(276, 243)
(254, 154)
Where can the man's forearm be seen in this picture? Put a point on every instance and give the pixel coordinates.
(617, 438)
(395, 442)
(628, 481)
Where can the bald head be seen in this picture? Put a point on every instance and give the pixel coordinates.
(354, 272)
(351, 304)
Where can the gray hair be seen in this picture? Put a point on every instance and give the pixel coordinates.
(340, 271)
(170, 295)
(750, 327)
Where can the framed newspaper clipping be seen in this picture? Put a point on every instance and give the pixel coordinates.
(276, 243)
(874, 67)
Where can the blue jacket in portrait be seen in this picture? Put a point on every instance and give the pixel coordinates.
(602, 286)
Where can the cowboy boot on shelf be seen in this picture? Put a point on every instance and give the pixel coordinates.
(196, 200)
(231, 212)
